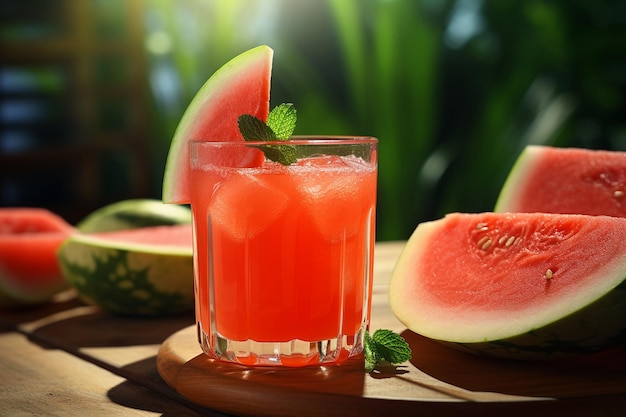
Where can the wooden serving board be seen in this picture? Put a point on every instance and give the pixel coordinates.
(437, 381)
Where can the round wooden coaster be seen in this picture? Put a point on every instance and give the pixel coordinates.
(438, 381)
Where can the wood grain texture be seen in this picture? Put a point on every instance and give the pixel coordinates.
(437, 380)
(39, 381)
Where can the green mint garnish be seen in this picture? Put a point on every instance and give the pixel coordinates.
(372, 357)
(281, 122)
(253, 128)
(385, 346)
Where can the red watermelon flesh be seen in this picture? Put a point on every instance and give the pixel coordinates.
(29, 239)
(159, 236)
(480, 278)
(566, 180)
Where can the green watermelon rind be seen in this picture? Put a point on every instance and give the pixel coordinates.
(129, 279)
(9, 298)
(575, 334)
(12, 297)
(175, 179)
(133, 214)
(508, 194)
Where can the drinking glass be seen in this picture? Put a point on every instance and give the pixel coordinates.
(283, 254)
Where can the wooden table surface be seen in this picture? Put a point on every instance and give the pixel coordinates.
(68, 359)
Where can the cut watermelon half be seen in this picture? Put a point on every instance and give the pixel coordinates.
(241, 86)
(515, 285)
(146, 271)
(29, 239)
(566, 180)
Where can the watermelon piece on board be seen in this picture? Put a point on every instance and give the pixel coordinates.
(241, 86)
(566, 180)
(146, 271)
(29, 270)
(515, 285)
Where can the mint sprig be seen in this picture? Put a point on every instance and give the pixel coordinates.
(385, 346)
(281, 123)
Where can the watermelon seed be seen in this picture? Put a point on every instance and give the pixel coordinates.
(509, 241)
(482, 227)
(549, 274)
(618, 194)
(485, 242)
(502, 240)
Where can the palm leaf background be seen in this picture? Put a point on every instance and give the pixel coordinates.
(454, 89)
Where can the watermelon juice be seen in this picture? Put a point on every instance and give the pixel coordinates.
(283, 254)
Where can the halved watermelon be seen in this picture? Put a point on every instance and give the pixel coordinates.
(146, 271)
(523, 285)
(241, 86)
(29, 239)
(566, 180)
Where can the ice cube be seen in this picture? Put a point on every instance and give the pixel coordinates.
(337, 200)
(244, 205)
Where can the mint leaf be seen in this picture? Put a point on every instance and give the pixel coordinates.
(385, 346)
(391, 346)
(372, 357)
(284, 154)
(281, 122)
(253, 128)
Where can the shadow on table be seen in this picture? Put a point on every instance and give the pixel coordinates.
(12, 317)
(145, 390)
(602, 375)
(93, 327)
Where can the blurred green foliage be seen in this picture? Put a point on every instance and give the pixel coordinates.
(454, 89)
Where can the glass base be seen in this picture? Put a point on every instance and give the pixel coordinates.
(294, 353)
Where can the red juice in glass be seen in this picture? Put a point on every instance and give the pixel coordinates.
(283, 254)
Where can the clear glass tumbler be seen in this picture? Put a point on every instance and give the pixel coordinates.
(283, 254)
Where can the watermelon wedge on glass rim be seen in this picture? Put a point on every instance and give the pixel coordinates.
(241, 86)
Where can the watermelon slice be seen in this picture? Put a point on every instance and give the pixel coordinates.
(566, 180)
(241, 86)
(29, 239)
(523, 285)
(143, 272)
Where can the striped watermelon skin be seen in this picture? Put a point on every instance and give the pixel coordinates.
(140, 272)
